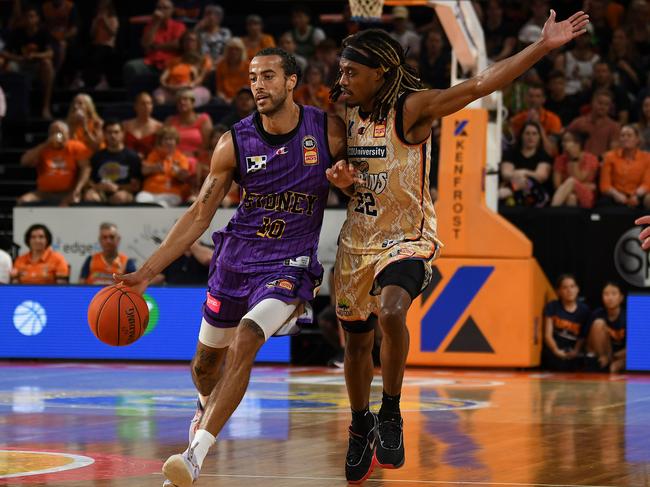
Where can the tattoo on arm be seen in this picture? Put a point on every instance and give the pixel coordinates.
(208, 191)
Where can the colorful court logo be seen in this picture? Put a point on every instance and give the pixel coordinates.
(30, 318)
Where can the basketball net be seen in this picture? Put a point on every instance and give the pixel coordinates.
(366, 10)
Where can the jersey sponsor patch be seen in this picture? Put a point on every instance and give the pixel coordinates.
(281, 151)
(379, 131)
(309, 151)
(282, 284)
(343, 307)
(398, 251)
(213, 303)
(255, 163)
(367, 151)
(302, 262)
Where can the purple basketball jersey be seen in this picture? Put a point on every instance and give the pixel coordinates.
(278, 221)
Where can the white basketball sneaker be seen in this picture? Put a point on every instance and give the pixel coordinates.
(181, 470)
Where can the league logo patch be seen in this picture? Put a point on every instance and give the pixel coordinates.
(213, 303)
(380, 130)
(343, 307)
(309, 151)
(282, 284)
(255, 163)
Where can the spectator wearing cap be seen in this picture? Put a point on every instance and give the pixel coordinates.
(41, 264)
(255, 39)
(307, 36)
(599, 128)
(62, 168)
(212, 35)
(242, 106)
(232, 70)
(160, 41)
(403, 31)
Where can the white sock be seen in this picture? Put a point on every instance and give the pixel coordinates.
(203, 400)
(203, 440)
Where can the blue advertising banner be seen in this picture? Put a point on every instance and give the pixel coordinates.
(638, 332)
(51, 322)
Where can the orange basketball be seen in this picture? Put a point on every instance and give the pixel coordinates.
(117, 315)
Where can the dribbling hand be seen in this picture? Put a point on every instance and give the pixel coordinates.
(135, 280)
(645, 234)
(343, 175)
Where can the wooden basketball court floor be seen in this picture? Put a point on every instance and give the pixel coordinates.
(66, 424)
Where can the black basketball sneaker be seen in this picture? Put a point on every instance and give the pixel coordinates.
(359, 462)
(390, 443)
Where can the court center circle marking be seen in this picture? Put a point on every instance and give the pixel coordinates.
(59, 462)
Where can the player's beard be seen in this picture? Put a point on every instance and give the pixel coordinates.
(274, 105)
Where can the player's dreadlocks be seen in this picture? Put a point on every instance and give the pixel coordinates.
(381, 50)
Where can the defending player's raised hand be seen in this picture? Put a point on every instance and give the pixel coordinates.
(556, 34)
(645, 234)
(343, 175)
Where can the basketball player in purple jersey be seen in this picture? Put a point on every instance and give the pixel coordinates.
(389, 237)
(265, 264)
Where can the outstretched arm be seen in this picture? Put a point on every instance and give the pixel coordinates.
(423, 107)
(194, 221)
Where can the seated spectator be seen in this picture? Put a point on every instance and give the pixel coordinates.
(242, 106)
(574, 173)
(166, 172)
(643, 125)
(327, 55)
(84, 123)
(29, 50)
(203, 167)
(190, 268)
(567, 107)
(403, 31)
(232, 71)
(578, 63)
(287, 43)
(626, 62)
(193, 128)
(101, 66)
(313, 91)
(212, 36)
(116, 170)
(435, 60)
(566, 324)
(41, 264)
(526, 170)
(255, 39)
(62, 168)
(549, 122)
(603, 80)
(186, 72)
(606, 338)
(625, 175)
(188, 11)
(100, 267)
(160, 41)
(140, 132)
(597, 126)
(60, 19)
(500, 35)
(638, 25)
(307, 36)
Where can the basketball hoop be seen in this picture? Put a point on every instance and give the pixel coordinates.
(366, 10)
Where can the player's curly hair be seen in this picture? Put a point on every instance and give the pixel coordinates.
(399, 76)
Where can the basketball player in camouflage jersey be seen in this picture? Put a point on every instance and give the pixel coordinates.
(389, 237)
(265, 264)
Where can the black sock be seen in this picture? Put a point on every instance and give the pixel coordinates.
(362, 421)
(389, 407)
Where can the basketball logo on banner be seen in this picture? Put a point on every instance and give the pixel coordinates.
(632, 262)
(30, 318)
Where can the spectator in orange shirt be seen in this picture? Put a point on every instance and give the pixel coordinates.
(232, 70)
(186, 72)
(84, 123)
(62, 168)
(41, 265)
(166, 172)
(255, 39)
(313, 91)
(160, 41)
(548, 121)
(625, 175)
(574, 173)
(601, 131)
(100, 267)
